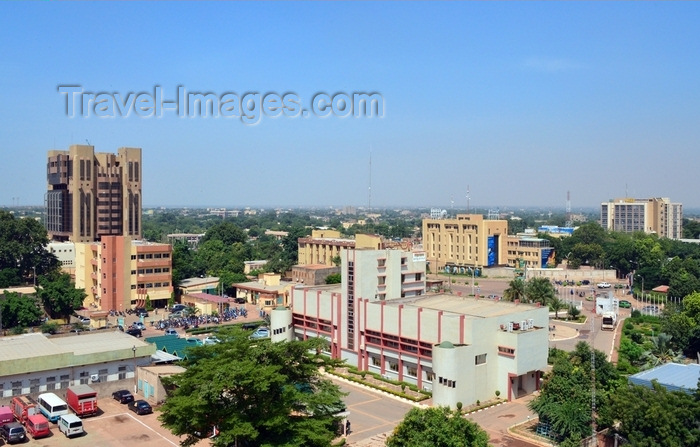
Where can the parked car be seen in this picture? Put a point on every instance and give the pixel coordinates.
(70, 425)
(239, 300)
(139, 325)
(603, 285)
(211, 340)
(13, 432)
(626, 304)
(140, 407)
(84, 320)
(141, 312)
(171, 331)
(178, 307)
(585, 282)
(261, 332)
(136, 332)
(123, 396)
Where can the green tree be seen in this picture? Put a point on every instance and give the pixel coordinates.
(515, 290)
(19, 310)
(59, 295)
(226, 232)
(573, 311)
(539, 290)
(22, 250)
(651, 417)
(555, 305)
(437, 427)
(255, 393)
(333, 278)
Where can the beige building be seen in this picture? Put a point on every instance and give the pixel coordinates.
(268, 292)
(465, 241)
(312, 275)
(323, 246)
(91, 194)
(526, 250)
(119, 273)
(654, 215)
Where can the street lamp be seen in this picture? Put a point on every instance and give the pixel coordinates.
(135, 386)
(34, 268)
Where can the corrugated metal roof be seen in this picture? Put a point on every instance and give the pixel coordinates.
(672, 376)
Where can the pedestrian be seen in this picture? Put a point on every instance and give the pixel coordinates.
(347, 427)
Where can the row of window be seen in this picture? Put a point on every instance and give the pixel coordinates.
(143, 256)
(150, 285)
(53, 383)
(151, 271)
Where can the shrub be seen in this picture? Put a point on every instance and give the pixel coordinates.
(459, 406)
(498, 393)
(49, 328)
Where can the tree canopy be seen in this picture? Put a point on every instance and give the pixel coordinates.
(255, 393)
(58, 294)
(22, 249)
(437, 427)
(18, 310)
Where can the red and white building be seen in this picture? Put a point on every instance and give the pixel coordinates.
(380, 319)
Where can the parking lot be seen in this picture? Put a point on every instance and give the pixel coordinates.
(114, 426)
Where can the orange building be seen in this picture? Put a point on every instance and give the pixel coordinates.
(120, 273)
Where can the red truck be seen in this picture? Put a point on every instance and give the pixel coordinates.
(82, 400)
(23, 407)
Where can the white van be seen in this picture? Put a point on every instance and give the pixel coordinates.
(70, 425)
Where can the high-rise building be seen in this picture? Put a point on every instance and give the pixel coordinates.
(91, 194)
(654, 215)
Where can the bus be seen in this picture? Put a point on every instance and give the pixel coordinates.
(52, 406)
(609, 321)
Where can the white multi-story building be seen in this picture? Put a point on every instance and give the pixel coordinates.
(380, 319)
(655, 215)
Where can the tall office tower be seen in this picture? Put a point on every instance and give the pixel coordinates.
(655, 215)
(91, 195)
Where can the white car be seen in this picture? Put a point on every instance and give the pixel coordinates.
(604, 285)
(211, 340)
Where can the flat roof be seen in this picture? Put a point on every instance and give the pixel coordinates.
(672, 376)
(255, 285)
(211, 298)
(189, 282)
(478, 308)
(313, 266)
(37, 352)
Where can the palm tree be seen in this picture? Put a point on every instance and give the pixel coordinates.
(515, 290)
(574, 311)
(660, 351)
(539, 290)
(555, 304)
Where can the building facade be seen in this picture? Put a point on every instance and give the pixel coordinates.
(654, 215)
(91, 194)
(34, 363)
(463, 349)
(465, 241)
(119, 273)
(323, 246)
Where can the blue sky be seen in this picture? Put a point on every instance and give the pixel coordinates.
(520, 101)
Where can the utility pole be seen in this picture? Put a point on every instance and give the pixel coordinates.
(593, 409)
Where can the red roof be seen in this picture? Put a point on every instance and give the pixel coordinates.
(660, 289)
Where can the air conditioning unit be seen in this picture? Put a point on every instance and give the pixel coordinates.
(94, 378)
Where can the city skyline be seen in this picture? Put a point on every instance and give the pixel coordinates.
(515, 103)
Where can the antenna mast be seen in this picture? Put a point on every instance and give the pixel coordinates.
(369, 192)
(468, 200)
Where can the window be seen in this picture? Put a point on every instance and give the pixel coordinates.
(17, 388)
(376, 361)
(84, 378)
(122, 372)
(65, 382)
(394, 366)
(102, 374)
(504, 350)
(429, 375)
(411, 371)
(33, 385)
(480, 359)
(51, 383)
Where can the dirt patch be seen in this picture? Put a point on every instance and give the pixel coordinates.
(121, 418)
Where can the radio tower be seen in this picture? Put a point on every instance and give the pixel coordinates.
(369, 192)
(568, 223)
(468, 200)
